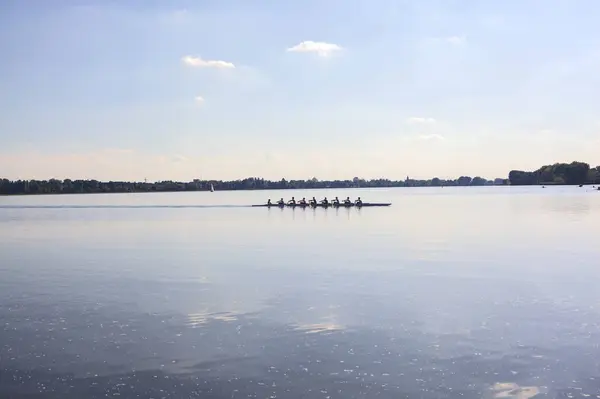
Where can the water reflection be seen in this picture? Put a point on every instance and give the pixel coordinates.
(512, 390)
(573, 206)
(483, 296)
(92, 350)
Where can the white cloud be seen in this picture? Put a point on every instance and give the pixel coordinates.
(419, 120)
(434, 136)
(321, 48)
(453, 40)
(199, 100)
(178, 16)
(456, 40)
(180, 158)
(200, 63)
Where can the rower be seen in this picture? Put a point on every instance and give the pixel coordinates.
(336, 201)
(303, 201)
(358, 202)
(281, 202)
(292, 201)
(313, 201)
(325, 202)
(347, 201)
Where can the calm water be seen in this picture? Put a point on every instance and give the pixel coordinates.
(448, 293)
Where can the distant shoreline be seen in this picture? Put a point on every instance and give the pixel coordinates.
(229, 190)
(574, 173)
(271, 189)
(46, 187)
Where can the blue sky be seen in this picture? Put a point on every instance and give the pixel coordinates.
(330, 88)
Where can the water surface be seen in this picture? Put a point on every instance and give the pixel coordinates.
(446, 294)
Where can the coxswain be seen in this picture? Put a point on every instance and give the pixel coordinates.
(358, 202)
(325, 202)
(281, 202)
(347, 201)
(269, 202)
(292, 201)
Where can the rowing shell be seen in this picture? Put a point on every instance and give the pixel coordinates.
(364, 204)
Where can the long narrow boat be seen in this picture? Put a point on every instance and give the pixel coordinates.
(342, 205)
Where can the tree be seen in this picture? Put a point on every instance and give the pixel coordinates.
(478, 181)
(576, 172)
(594, 176)
(521, 178)
(558, 173)
(464, 181)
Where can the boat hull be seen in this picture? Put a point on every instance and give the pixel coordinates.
(364, 205)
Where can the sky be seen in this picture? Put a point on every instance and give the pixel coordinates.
(333, 89)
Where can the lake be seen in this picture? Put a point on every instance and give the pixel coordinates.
(474, 292)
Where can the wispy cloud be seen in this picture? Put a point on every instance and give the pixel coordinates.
(180, 158)
(176, 17)
(170, 159)
(199, 100)
(119, 151)
(415, 120)
(456, 40)
(437, 137)
(546, 132)
(198, 62)
(320, 48)
(492, 21)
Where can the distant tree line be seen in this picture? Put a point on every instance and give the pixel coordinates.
(560, 173)
(68, 186)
